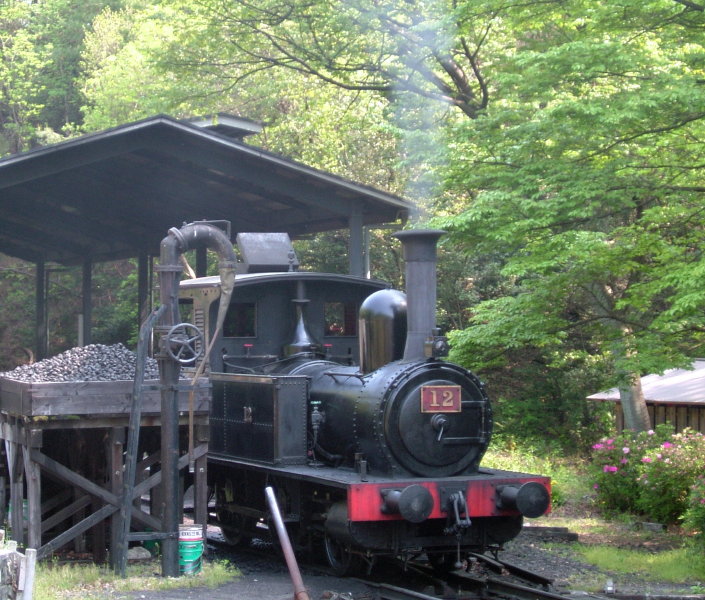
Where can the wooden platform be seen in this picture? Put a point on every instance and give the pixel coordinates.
(74, 435)
(91, 398)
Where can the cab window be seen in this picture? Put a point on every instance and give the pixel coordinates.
(240, 320)
(340, 318)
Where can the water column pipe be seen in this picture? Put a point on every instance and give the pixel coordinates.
(169, 269)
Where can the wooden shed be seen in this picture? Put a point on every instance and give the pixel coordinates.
(676, 397)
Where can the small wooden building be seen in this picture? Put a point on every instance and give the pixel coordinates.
(676, 397)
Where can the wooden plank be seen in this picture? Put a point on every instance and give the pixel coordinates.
(34, 500)
(91, 398)
(61, 515)
(200, 495)
(660, 414)
(115, 450)
(13, 452)
(671, 415)
(104, 422)
(156, 478)
(75, 531)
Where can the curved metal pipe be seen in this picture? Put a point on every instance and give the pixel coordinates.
(172, 247)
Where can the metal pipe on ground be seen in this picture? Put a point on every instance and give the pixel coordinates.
(300, 592)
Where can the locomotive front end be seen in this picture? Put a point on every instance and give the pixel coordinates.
(421, 418)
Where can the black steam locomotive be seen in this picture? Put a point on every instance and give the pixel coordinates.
(331, 389)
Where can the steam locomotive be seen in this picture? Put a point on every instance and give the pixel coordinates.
(332, 390)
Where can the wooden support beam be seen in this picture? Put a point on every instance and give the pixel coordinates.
(75, 531)
(66, 512)
(116, 444)
(87, 303)
(56, 500)
(34, 500)
(200, 494)
(16, 490)
(156, 478)
(65, 474)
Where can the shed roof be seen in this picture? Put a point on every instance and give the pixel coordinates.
(675, 386)
(114, 194)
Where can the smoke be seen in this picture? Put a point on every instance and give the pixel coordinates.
(419, 111)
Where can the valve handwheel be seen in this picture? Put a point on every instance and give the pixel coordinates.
(184, 343)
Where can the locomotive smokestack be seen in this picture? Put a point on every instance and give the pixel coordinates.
(419, 250)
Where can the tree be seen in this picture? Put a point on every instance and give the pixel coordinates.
(586, 177)
(422, 47)
(574, 146)
(20, 59)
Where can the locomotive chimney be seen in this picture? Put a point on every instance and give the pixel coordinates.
(419, 250)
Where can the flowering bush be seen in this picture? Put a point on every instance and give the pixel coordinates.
(617, 465)
(694, 518)
(668, 473)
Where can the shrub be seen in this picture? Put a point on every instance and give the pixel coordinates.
(617, 464)
(668, 474)
(694, 518)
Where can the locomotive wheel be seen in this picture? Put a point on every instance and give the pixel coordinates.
(340, 559)
(233, 527)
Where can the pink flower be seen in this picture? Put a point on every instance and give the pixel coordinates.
(650, 432)
(610, 469)
(667, 445)
(646, 459)
(625, 450)
(624, 461)
(598, 446)
(610, 441)
(595, 487)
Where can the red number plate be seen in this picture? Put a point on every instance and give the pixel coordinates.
(440, 398)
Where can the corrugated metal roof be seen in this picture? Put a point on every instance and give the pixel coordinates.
(675, 386)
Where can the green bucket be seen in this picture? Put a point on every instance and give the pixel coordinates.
(190, 549)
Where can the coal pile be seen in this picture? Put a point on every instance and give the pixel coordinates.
(96, 362)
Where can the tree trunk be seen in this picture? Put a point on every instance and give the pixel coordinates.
(636, 414)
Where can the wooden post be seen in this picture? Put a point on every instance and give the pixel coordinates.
(30, 562)
(115, 447)
(40, 311)
(16, 487)
(200, 484)
(355, 246)
(34, 500)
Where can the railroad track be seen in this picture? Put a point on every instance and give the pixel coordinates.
(486, 579)
(462, 585)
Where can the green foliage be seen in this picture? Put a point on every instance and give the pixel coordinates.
(538, 397)
(16, 327)
(21, 57)
(668, 474)
(682, 565)
(582, 175)
(85, 582)
(567, 477)
(694, 518)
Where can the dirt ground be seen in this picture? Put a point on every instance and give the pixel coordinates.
(547, 546)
